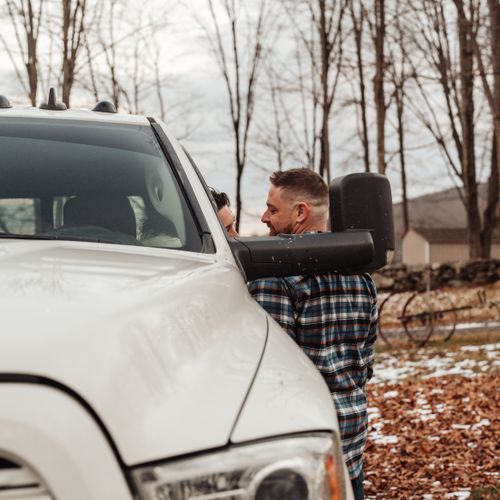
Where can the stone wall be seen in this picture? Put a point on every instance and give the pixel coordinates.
(402, 277)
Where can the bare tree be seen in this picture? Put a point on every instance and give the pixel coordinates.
(26, 19)
(379, 35)
(398, 76)
(73, 28)
(322, 37)
(358, 19)
(455, 129)
(492, 93)
(239, 61)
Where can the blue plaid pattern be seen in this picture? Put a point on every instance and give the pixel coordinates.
(333, 318)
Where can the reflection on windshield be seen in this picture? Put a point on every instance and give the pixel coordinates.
(90, 182)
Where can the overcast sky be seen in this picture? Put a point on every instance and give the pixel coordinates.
(197, 89)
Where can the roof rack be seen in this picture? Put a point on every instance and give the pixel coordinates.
(4, 102)
(52, 102)
(104, 107)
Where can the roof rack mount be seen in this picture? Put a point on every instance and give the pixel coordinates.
(4, 102)
(52, 103)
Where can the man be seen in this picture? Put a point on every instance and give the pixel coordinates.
(225, 214)
(332, 317)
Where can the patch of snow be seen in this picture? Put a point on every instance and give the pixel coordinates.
(424, 417)
(429, 363)
(482, 423)
(461, 426)
(484, 347)
(390, 394)
(381, 439)
(460, 494)
(373, 413)
(437, 391)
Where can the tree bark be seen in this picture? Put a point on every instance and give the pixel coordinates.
(358, 24)
(73, 25)
(467, 122)
(324, 162)
(490, 213)
(32, 61)
(378, 83)
(402, 158)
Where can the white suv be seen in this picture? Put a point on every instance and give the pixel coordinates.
(133, 361)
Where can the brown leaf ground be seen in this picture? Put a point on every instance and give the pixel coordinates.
(435, 437)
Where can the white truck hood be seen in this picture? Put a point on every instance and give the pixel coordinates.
(147, 338)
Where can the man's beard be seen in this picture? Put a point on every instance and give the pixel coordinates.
(286, 230)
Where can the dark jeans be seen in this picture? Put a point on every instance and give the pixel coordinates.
(357, 487)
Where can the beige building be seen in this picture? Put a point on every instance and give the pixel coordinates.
(429, 245)
(426, 240)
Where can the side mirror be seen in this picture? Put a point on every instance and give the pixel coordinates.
(361, 240)
(363, 202)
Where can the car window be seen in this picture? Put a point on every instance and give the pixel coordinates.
(91, 181)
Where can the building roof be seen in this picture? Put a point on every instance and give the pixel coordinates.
(436, 211)
(448, 235)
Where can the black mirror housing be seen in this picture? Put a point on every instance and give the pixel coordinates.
(363, 202)
(361, 240)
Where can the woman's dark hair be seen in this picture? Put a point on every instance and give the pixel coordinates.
(221, 199)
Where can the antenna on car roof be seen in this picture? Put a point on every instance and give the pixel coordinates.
(104, 107)
(52, 102)
(4, 102)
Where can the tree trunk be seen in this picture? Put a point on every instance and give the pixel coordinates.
(402, 159)
(358, 39)
(378, 83)
(65, 68)
(32, 62)
(324, 161)
(239, 175)
(467, 121)
(489, 215)
(494, 8)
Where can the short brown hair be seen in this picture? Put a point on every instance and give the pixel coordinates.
(302, 182)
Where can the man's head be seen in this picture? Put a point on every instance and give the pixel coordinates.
(297, 202)
(225, 214)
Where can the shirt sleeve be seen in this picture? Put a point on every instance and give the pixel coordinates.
(273, 296)
(373, 331)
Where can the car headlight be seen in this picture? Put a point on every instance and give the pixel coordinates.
(299, 468)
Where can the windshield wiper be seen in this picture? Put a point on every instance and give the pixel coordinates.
(120, 240)
(52, 237)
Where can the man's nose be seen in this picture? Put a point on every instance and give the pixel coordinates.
(265, 217)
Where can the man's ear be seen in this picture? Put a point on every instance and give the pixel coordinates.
(303, 212)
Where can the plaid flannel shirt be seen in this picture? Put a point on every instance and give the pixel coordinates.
(333, 318)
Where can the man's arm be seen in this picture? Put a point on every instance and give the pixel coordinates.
(273, 295)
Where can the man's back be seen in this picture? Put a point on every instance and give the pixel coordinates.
(333, 318)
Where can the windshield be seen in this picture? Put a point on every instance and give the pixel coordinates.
(92, 182)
